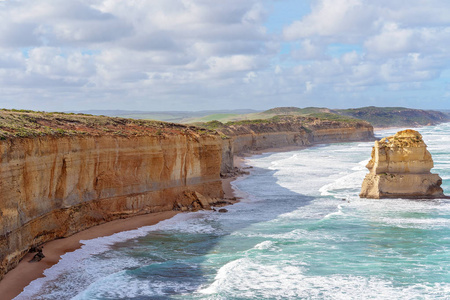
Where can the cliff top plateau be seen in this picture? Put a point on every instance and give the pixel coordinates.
(377, 116)
(26, 123)
(284, 123)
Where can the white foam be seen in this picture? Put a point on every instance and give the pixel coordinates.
(264, 245)
(252, 279)
(79, 259)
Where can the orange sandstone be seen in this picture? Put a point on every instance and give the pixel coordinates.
(400, 168)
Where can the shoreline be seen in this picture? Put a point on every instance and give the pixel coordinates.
(25, 272)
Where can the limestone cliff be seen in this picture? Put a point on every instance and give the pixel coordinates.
(400, 168)
(61, 174)
(55, 184)
(288, 131)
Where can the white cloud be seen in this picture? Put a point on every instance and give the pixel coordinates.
(168, 52)
(395, 44)
(334, 19)
(309, 50)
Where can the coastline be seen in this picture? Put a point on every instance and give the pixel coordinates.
(25, 272)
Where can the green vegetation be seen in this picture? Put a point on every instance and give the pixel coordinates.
(28, 124)
(215, 117)
(296, 111)
(334, 117)
(212, 125)
(255, 121)
(395, 116)
(304, 122)
(377, 116)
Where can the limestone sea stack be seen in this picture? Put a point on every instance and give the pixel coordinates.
(400, 168)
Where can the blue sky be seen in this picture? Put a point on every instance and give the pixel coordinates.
(206, 54)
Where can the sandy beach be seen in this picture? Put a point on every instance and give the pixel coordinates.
(18, 278)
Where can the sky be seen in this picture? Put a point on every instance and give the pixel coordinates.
(162, 55)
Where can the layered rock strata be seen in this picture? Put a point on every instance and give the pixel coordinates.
(61, 174)
(400, 168)
(294, 131)
(53, 187)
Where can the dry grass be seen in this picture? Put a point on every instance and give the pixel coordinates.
(26, 124)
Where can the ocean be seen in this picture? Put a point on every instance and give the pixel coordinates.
(300, 232)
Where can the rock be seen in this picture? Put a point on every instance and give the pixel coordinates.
(204, 201)
(38, 256)
(223, 210)
(36, 249)
(400, 168)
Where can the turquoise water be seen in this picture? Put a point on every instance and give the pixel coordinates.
(301, 232)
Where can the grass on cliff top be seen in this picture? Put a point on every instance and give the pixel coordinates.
(27, 123)
(377, 116)
(335, 117)
(215, 125)
(309, 119)
(396, 116)
(269, 114)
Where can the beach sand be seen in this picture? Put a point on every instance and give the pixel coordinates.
(17, 279)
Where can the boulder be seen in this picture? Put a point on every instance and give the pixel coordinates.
(400, 168)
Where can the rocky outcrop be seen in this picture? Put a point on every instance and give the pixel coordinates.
(400, 168)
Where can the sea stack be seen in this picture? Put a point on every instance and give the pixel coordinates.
(400, 168)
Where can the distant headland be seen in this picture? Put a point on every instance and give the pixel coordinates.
(379, 117)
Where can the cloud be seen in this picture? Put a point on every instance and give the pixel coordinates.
(195, 54)
(343, 20)
(114, 45)
(387, 44)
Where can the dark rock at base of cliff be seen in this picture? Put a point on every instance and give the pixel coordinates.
(36, 249)
(235, 172)
(194, 201)
(38, 256)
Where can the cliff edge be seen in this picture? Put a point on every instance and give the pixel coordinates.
(400, 168)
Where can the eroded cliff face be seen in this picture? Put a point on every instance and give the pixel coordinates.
(400, 168)
(53, 187)
(61, 174)
(292, 132)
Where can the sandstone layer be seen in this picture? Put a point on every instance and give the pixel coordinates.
(400, 168)
(52, 187)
